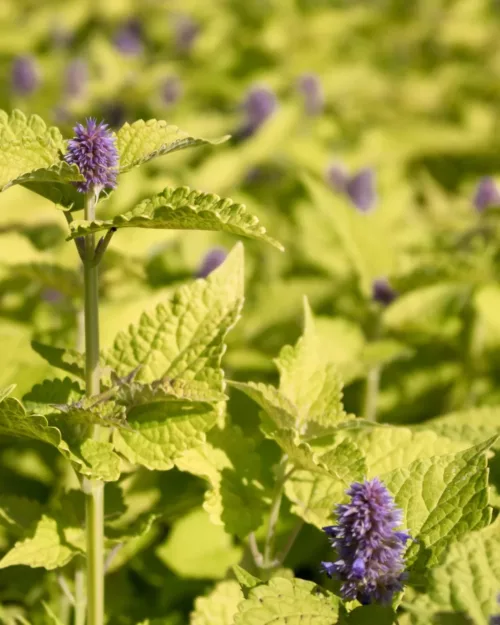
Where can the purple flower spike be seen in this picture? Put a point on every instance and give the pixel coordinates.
(93, 149)
(25, 76)
(260, 103)
(171, 90)
(382, 292)
(487, 194)
(310, 87)
(76, 78)
(361, 190)
(212, 259)
(128, 38)
(370, 550)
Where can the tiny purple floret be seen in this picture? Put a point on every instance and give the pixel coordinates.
(212, 259)
(186, 31)
(24, 75)
(487, 194)
(370, 550)
(93, 149)
(337, 177)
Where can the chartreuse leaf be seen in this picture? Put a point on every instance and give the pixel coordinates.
(231, 466)
(26, 145)
(18, 513)
(161, 431)
(468, 579)
(182, 209)
(308, 380)
(278, 407)
(386, 448)
(142, 141)
(184, 338)
(219, 607)
(287, 602)
(470, 426)
(90, 459)
(196, 548)
(442, 498)
(42, 397)
(47, 547)
(245, 579)
(68, 360)
(314, 495)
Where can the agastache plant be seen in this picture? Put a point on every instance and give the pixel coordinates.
(369, 545)
(91, 162)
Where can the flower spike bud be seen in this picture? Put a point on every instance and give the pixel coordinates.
(93, 149)
(212, 259)
(487, 194)
(370, 561)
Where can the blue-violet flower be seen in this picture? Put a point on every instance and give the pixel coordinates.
(93, 149)
(212, 259)
(370, 551)
(487, 194)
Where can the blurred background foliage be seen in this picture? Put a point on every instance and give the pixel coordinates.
(360, 133)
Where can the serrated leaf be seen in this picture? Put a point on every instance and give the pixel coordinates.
(160, 432)
(313, 495)
(472, 426)
(308, 380)
(386, 448)
(469, 578)
(287, 602)
(442, 498)
(46, 548)
(231, 466)
(68, 360)
(278, 407)
(26, 145)
(142, 141)
(219, 606)
(198, 549)
(104, 463)
(182, 209)
(42, 397)
(184, 338)
(245, 579)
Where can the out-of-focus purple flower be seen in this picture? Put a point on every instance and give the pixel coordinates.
(487, 194)
(52, 296)
(25, 76)
(93, 149)
(259, 104)
(128, 38)
(359, 188)
(171, 90)
(212, 259)
(382, 292)
(186, 31)
(370, 550)
(310, 87)
(76, 78)
(337, 177)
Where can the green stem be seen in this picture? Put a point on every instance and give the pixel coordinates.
(93, 489)
(80, 598)
(281, 478)
(371, 394)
